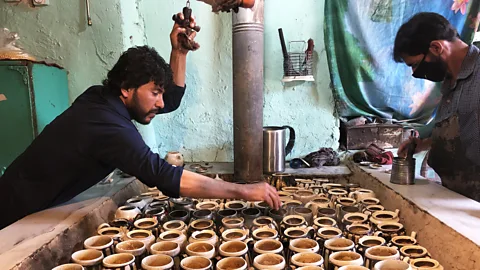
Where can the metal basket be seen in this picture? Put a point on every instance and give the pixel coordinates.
(298, 65)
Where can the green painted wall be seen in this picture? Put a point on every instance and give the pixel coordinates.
(202, 127)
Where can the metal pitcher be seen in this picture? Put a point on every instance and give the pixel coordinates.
(274, 149)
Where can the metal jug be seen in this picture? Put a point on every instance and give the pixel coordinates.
(403, 171)
(274, 149)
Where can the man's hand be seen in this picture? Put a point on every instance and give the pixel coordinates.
(261, 192)
(422, 145)
(194, 185)
(178, 32)
(228, 5)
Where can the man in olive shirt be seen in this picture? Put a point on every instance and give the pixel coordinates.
(431, 46)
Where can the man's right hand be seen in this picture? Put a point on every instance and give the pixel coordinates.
(422, 145)
(194, 185)
(261, 192)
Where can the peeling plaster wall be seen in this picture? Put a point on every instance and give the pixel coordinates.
(133, 26)
(60, 34)
(202, 127)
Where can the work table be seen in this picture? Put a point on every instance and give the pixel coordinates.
(457, 211)
(446, 223)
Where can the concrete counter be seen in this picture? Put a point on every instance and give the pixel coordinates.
(447, 223)
(47, 238)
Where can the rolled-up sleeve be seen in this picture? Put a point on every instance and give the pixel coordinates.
(125, 149)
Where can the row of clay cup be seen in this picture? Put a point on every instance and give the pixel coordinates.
(334, 199)
(407, 245)
(129, 255)
(360, 207)
(343, 252)
(205, 210)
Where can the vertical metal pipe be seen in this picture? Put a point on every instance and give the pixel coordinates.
(248, 93)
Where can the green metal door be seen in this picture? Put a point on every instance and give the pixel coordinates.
(50, 88)
(16, 126)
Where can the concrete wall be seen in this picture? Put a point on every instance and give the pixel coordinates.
(202, 127)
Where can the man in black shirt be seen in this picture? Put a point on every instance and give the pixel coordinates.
(96, 135)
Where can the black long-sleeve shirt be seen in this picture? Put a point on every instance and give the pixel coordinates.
(78, 149)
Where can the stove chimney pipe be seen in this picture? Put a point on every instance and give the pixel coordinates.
(248, 93)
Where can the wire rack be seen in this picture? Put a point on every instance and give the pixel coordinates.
(298, 65)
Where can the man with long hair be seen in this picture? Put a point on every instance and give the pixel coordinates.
(96, 135)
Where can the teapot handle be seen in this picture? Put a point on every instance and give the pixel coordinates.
(291, 140)
(249, 241)
(311, 232)
(103, 225)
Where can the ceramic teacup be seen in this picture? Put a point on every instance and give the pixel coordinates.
(392, 265)
(157, 262)
(134, 247)
(234, 234)
(124, 261)
(425, 264)
(269, 261)
(88, 257)
(202, 249)
(376, 254)
(337, 245)
(69, 266)
(196, 263)
(344, 258)
(324, 222)
(169, 248)
(318, 202)
(232, 263)
(352, 267)
(234, 249)
(268, 246)
(361, 194)
(100, 242)
(306, 259)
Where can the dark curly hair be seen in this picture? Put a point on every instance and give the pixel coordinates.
(136, 67)
(414, 37)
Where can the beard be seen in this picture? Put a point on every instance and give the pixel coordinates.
(138, 114)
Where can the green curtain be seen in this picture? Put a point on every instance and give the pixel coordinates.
(359, 36)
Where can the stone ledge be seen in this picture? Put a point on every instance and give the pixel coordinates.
(48, 238)
(226, 169)
(446, 223)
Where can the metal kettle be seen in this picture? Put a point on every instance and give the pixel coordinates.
(274, 149)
